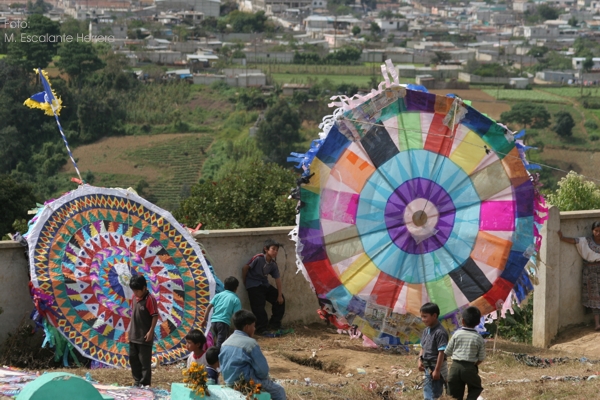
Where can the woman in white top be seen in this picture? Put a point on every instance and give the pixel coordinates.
(589, 249)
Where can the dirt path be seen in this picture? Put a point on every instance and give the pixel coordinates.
(579, 341)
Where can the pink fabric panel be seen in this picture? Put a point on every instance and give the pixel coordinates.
(497, 216)
(339, 206)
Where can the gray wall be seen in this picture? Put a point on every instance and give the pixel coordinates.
(229, 250)
(14, 292)
(557, 297)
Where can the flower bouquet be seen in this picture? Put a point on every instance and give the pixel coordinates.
(247, 387)
(196, 379)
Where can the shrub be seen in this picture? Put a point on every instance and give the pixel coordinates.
(591, 125)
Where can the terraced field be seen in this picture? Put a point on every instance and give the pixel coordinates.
(168, 163)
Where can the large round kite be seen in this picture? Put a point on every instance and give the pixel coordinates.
(83, 249)
(412, 197)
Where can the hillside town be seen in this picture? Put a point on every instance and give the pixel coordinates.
(447, 44)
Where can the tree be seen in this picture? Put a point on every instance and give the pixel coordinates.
(575, 193)
(440, 57)
(35, 54)
(16, 199)
(527, 114)
(587, 64)
(78, 59)
(547, 12)
(564, 124)
(573, 21)
(251, 195)
(375, 29)
(278, 134)
(538, 51)
(356, 30)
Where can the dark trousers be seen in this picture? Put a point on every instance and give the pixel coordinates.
(140, 360)
(220, 332)
(259, 296)
(464, 373)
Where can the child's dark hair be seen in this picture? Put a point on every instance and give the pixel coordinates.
(595, 225)
(231, 283)
(471, 317)
(137, 282)
(196, 336)
(430, 308)
(212, 355)
(268, 244)
(243, 318)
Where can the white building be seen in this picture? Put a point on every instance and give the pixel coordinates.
(209, 8)
(540, 32)
(392, 24)
(578, 62)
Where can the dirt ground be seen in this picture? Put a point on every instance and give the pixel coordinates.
(315, 362)
(581, 341)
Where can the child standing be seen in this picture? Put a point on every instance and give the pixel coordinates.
(241, 355)
(212, 359)
(260, 291)
(194, 343)
(225, 304)
(144, 316)
(432, 360)
(467, 349)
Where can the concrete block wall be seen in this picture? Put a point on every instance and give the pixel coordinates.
(557, 296)
(228, 249)
(14, 289)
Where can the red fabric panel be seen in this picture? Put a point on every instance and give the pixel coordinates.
(387, 289)
(438, 139)
(322, 276)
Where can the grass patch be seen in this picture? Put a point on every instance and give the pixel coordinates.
(360, 80)
(180, 161)
(524, 95)
(573, 92)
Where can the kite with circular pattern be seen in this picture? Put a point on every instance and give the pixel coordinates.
(83, 249)
(411, 197)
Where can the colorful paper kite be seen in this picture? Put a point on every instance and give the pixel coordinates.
(83, 249)
(410, 197)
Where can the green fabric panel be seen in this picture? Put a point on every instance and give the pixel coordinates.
(409, 131)
(490, 180)
(309, 217)
(441, 293)
(497, 140)
(343, 244)
(389, 111)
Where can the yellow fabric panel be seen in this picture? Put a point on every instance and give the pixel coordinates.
(490, 180)
(359, 274)
(343, 244)
(414, 298)
(321, 172)
(469, 153)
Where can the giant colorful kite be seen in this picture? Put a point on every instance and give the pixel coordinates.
(410, 197)
(83, 249)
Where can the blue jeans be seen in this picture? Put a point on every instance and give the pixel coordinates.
(432, 389)
(276, 391)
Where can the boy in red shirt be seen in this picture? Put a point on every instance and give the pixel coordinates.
(144, 316)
